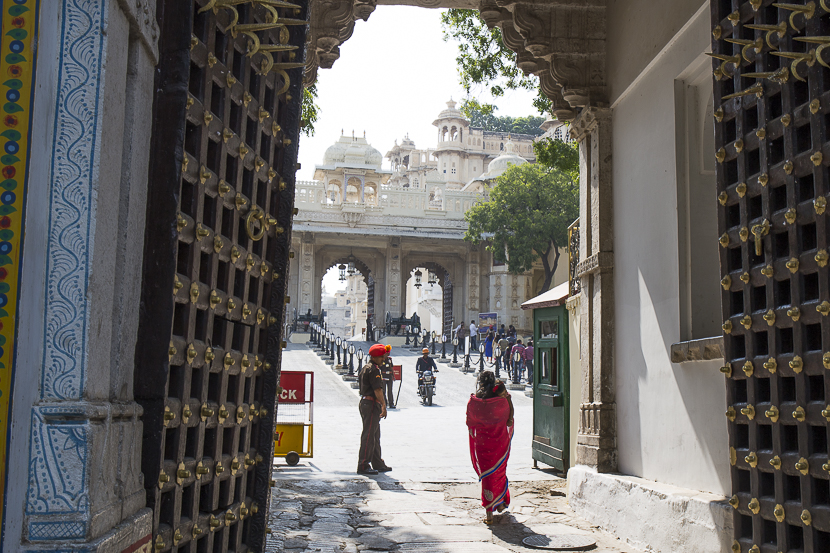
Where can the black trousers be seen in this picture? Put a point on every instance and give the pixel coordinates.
(390, 396)
(370, 437)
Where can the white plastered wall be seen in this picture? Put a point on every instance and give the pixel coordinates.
(670, 422)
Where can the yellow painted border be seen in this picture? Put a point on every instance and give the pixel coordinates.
(18, 40)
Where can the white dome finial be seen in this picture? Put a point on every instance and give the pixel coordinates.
(451, 104)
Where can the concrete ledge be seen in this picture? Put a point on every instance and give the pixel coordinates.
(650, 515)
(704, 349)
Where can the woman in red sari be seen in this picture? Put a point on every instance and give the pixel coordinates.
(490, 422)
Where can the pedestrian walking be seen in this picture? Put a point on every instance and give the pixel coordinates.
(488, 347)
(528, 357)
(504, 347)
(388, 374)
(372, 409)
(517, 363)
(473, 336)
(490, 423)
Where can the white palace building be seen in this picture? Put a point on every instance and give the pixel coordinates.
(389, 223)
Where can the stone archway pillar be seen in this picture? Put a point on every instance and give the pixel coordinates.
(307, 280)
(394, 286)
(597, 439)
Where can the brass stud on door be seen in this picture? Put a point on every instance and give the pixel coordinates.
(748, 412)
(799, 414)
(754, 505)
(727, 327)
(726, 282)
(748, 369)
(771, 365)
(802, 466)
(775, 462)
(796, 365)
(214, 523)
(778, 513)
(730, 414)
(751, 459)
(727, 370)
(772, 413)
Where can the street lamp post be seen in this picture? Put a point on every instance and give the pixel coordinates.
(339, 342)
(434, 335)
(415, 340)
(360, 358)
(455, 350)
(351, 360)
(407, 336)
(443, 346)
(497, 355)
(333, 343)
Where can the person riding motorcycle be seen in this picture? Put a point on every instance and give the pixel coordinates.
(425, 363)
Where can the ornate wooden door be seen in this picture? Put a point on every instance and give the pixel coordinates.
(226, 121)
(772, 109)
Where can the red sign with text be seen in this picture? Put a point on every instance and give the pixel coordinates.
(396, 371)
(296, 386)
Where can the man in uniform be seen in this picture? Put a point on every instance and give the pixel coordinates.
(372, 409)
(388, 378)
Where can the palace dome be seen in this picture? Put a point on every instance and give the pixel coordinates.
(501, 163)
(351, 150)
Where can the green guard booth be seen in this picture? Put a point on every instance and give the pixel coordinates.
(552, 416)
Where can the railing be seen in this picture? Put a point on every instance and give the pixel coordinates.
(574, 282)
(311, 196)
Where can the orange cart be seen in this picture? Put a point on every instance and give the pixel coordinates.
(294, 433)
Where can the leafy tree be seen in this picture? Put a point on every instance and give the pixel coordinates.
(527, 215)
(559, 155)
(483, 115)
(310, 110)
(484, 59)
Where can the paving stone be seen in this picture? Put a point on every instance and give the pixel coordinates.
(436, 519)
(438, 534)
(374, 541)
(404, 520)
(297, 543)
(469, 547)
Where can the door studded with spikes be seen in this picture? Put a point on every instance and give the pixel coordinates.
(772, 115)
(224, 151)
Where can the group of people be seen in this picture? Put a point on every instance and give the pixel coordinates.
(489, 422)
(509, 345)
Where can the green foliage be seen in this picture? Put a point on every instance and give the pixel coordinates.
(483, 115)
(484, 59)
(526, 217)
(310, 110)
(558, 154)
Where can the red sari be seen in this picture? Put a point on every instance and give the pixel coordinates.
(490, 447)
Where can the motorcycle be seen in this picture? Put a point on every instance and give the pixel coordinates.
(426, 387)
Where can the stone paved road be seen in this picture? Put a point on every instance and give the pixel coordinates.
(430, 501)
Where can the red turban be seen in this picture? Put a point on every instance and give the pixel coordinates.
(378, 350)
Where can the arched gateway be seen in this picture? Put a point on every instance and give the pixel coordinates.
(390, 222)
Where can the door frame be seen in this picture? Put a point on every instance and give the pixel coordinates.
(541, 451)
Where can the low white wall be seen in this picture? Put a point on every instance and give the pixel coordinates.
(649, 515)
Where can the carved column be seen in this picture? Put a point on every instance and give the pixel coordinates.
(472, 286)
(394, 292)
(597, 440)
(307, 280)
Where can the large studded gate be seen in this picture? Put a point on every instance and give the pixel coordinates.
(772, 111)
(225, 131)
